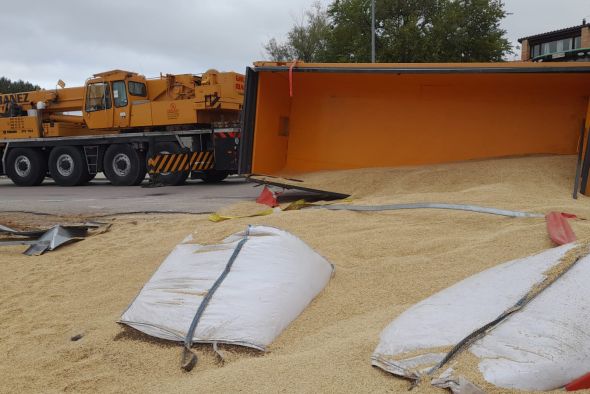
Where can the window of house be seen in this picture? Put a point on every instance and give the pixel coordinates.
(137, 89)
(119, 94)
(556, 46)
(564, 45)
(98, 97)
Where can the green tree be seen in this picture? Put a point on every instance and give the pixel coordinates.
(350, 36)
(406, 31)
(8, 86)
(469, 31)
(307, 40)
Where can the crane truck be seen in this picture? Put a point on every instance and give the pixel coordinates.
(124, 125)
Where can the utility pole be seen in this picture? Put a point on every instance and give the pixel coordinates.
(372, 31)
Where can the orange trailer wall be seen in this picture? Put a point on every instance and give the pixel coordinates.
(274, 104)
(343, 120)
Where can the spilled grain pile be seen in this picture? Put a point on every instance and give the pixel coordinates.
(385, 262)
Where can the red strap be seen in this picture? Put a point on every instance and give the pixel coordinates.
(579, 384)
(559, 229)
(291, 77)
(569, 215)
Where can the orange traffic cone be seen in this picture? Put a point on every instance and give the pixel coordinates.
(579, 384)
(267, 197)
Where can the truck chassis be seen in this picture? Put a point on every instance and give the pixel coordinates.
(210, 154)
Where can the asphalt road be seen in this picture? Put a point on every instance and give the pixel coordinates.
(100, 198)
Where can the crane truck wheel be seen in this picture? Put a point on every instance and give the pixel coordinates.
(124, 166)
(26, 167)
(214, 176)
(67, 166)
(170, 178)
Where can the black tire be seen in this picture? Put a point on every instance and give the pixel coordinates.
(124, 166)
(26, 167)
(213, 176)
(170, 178)
(67, 166)
(88, 178)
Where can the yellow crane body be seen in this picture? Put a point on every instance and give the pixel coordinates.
(118, 101)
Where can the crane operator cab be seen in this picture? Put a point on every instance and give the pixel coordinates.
(108, 97)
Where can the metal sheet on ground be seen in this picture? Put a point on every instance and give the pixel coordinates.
(294, 184)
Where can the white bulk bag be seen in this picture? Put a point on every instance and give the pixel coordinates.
(543, 346)
(273, 278)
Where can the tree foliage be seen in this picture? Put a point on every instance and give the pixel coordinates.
(406, 31)
(307, 40)
(8, 86)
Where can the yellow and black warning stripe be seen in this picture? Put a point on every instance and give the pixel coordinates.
(180, 162)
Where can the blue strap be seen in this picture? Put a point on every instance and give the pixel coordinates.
(189, 359)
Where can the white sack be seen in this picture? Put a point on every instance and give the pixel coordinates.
(544, 346)
(274, 277)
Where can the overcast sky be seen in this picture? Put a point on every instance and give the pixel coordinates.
(44, 41)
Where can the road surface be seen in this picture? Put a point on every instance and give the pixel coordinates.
(100, 198)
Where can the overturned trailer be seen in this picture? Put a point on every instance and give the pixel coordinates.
(303, 117)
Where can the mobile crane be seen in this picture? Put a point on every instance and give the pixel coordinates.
(124, 125)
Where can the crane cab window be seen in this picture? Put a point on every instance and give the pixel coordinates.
(98, 97)
(137, 89)
(119, 94)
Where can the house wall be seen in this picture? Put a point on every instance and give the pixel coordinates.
(525, 53)
(586, 37)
